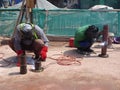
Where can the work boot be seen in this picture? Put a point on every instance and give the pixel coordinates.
(89, 50)
(81, 52)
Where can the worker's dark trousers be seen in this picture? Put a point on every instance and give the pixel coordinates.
(85, 48)
(35, 47)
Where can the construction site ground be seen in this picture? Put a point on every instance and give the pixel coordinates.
(64, 69)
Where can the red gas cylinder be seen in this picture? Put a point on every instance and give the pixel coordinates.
(71, 42)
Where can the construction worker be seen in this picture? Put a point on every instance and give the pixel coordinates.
(84, 38)
(29, 37)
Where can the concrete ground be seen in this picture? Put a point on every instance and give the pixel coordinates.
(64, 69)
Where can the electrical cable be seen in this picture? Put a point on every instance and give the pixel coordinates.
(65, 60)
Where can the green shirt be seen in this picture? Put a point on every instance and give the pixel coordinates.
(80, 35)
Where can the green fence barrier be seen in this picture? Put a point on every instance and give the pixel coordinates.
(61, 22)
(8, 18)
(65, 22)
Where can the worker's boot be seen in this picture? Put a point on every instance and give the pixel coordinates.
(23, 64)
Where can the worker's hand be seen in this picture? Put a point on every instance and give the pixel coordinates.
(19, 52)
(43, 53)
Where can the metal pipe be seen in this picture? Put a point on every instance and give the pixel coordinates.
(105, 40)
(38, 67)
(23, 66)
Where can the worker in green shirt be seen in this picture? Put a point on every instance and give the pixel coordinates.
(85, 37)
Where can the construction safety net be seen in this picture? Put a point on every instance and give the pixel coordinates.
(8, 18)
(62, 22)
(66, 22)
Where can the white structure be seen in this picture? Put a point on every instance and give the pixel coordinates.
(101, 7)
(41, 4)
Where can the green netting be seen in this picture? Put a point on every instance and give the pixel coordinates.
(8, 19)
(65, 22)
(61, 22)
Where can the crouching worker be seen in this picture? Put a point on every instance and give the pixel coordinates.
(32, 38)
(84, 38)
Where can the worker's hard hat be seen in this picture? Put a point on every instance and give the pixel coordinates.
(27, 28)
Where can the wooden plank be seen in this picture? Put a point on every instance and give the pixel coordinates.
(30, 3)
(19, 19)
